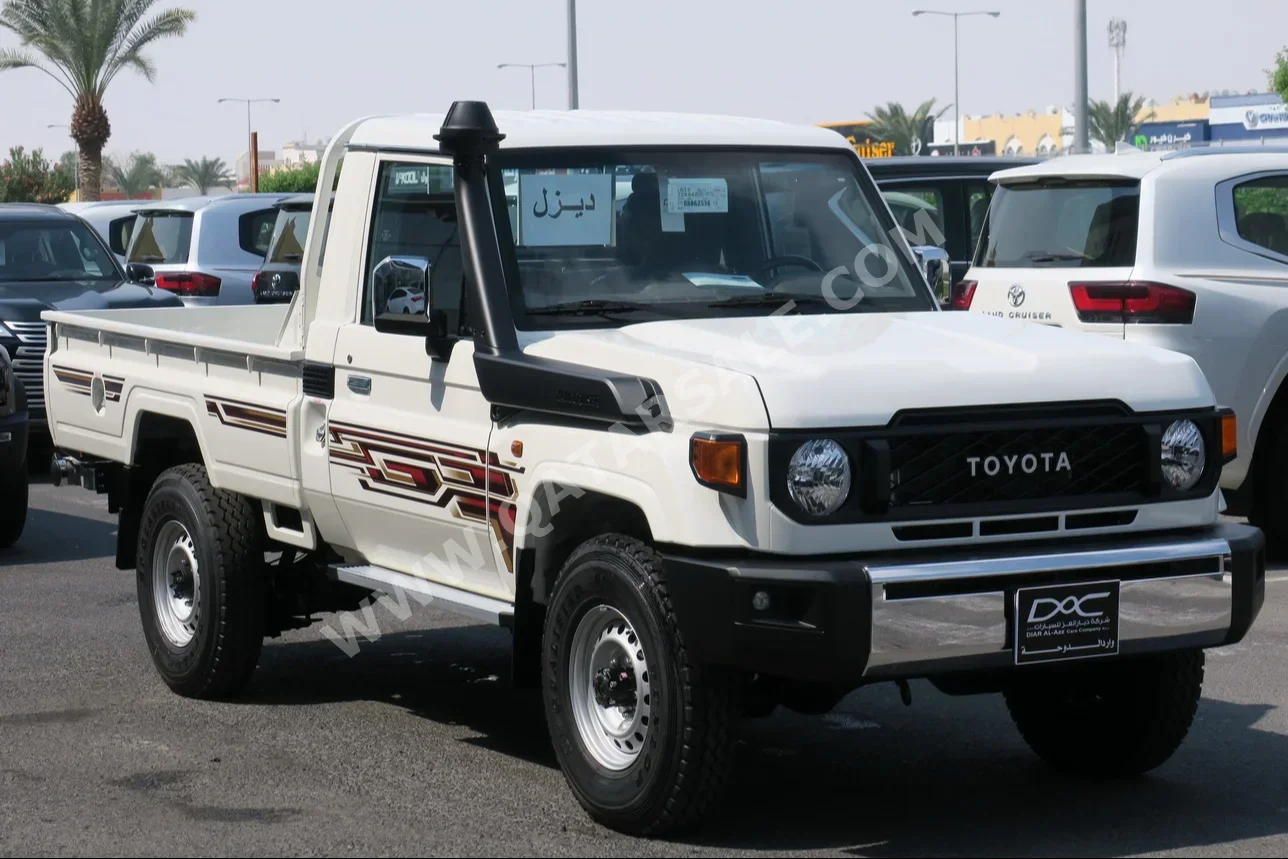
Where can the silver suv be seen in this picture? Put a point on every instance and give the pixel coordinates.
(205, 250)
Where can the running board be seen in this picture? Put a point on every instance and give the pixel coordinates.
(471, 605)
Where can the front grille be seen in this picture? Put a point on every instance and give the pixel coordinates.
(1017, 465)
(29, 359)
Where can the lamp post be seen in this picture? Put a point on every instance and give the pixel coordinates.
(957, 122)
(69, 131)
(573, 100)
(251, 155)
(532, 71)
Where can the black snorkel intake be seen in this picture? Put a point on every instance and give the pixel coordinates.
(510, 380)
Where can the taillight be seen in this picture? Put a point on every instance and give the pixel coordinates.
(964, 294)
(191, 284)
(1133, 301)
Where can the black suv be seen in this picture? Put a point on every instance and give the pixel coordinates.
(941, 200)
(52, 260)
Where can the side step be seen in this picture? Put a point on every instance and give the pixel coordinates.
(471, 605)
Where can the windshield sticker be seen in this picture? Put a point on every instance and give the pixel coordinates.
(567, 210)
(741, 281)
(672, 221)
(698, 195)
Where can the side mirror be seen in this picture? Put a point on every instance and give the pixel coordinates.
(936, 269)
(137, 272)
(400, 297)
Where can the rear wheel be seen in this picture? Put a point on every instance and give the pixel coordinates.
(200, 584)
(643, 735)
(1111, 719)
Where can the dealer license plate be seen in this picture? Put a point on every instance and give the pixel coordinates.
(1054, 623)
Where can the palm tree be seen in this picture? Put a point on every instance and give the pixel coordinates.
(894, 124)
(1110, 123)
(83, 45)
(202, 175)
(137, 175)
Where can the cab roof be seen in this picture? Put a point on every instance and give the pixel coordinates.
(1204, 163)
(586, 128)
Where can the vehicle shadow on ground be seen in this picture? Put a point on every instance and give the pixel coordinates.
(449, 674)
(52, 536)
(948, 777)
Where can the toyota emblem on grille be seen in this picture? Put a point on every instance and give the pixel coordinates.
(1015, 295)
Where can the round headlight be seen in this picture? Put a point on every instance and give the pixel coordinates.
(1183, 455)
(818, 478)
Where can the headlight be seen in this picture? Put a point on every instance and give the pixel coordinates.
(818, 478)
(1183, 455)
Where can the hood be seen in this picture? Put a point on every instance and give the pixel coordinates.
(23, 301)
(858, 369)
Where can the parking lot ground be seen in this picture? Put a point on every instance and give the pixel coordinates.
(417, 745)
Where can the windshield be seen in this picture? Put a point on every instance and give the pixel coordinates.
(289, 234)
(161, 237)
(610, 238)
(1058, 223)
(53, 251)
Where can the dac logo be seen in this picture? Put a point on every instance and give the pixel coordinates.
(1067, 606)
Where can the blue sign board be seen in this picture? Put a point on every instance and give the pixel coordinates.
(1164, 136)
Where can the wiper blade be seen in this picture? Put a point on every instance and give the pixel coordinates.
(1053, 256)
(766, 299)
(148, 258)
(291, 257)
(592, 306)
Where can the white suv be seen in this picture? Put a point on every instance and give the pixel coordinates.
(1185, 250)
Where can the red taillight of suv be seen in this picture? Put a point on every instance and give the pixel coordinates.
(1134, 301)
(189, 284)
(964, 294)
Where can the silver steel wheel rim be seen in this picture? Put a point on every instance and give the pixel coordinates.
(609, 682)
(176, 583)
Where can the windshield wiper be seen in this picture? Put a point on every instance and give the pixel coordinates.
(594, 307)
(766, 299)
(1053, 256)
(148, 258)
(290, 258)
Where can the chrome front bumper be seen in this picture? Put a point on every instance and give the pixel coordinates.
(848, 620)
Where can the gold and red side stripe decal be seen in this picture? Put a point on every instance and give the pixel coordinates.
(248, 416)
(82, 382)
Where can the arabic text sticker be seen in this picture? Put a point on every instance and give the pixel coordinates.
(562, 210)
(697, 195)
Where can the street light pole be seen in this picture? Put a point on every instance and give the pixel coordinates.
(532, 71)
(69, 131)
(252, 159)
(957, 119)
(573, 100)
(1081, 138)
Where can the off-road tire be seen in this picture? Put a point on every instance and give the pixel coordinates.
(687, 759)
(221, 656)
(1109, 719)
(13, 508)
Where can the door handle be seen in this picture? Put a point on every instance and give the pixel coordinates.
(360, 385)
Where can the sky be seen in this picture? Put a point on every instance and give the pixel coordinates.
(331, 61)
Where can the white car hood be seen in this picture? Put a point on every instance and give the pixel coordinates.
(860, 369)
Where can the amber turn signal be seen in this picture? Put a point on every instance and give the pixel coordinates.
(1229, 436)
(720, 462)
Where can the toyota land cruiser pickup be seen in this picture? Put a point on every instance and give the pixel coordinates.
(683, 414)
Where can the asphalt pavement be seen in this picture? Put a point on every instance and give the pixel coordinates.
(417, 745)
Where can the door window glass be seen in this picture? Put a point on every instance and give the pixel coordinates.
(1261, 212)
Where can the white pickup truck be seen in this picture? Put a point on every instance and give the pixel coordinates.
(683, 415)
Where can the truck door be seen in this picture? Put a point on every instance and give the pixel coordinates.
(408, 436)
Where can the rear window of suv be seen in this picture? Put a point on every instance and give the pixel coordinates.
(161, 238)
(1062, 223)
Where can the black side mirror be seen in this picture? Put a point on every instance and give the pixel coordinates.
(137, 272)
(935, 268)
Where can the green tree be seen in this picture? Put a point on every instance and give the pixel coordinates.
(894, 124)
(1279, 75)
(288, 180)
(136, 175)
(203, 175)
(32, 179)
(1111, 123)
(84, 45)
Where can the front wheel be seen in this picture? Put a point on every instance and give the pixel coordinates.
(200, 584)
(13, 509)
(643, 735)
(1114, 719)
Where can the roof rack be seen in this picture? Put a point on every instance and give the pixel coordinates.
(1224, 150)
